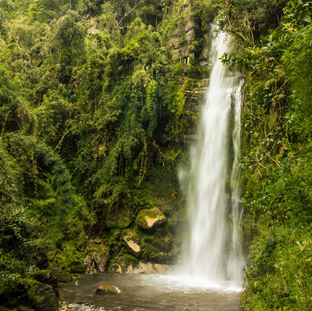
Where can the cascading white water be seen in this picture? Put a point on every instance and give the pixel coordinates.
(214, 250)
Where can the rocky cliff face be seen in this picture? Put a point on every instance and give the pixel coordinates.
(183, 38)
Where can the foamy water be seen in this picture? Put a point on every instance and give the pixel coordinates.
(212, 255)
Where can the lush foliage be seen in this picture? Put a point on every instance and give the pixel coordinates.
(93, 118)
(277, 144)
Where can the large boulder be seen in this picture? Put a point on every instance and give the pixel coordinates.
(115, 219)
(149, 219)
(98, 262)
(162, 269)
(121, 262)
(77, 267)
(147, 268)
(41, 296)
(101, 260)
(89, 264)
(61, 275)
(130, 269)
(45, 276)
(107, 289)
(131, 243)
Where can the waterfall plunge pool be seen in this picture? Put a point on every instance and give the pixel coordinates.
(149, 292)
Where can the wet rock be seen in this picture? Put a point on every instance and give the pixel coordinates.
(114, 268)
(162, 269)
(150, 219)
(131, 244)
(130, 269)
(122, 262)
(147, 268)
(106, 289)
(134, 246)
(101, 260)
(89, 263)
(41, 296)
(61, 275)
(97, 263)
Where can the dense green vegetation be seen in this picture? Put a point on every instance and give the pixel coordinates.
(93, 118)
(275, 54)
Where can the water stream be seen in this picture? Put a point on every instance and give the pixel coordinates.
(213, 252)
(210, 275)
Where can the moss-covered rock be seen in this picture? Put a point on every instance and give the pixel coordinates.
(114, 268)
(61, 275)
(118, 220)
(163, 244)
(153, 254)
(129, 260)
(106, 289)
(2, 308)
(45, 276)
(122, 262)
(115, 244)
(41, 296)
(77, 267)
(149, 219)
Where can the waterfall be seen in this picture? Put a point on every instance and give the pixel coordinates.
(213, 251)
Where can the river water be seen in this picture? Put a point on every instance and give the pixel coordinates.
(149, 293)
